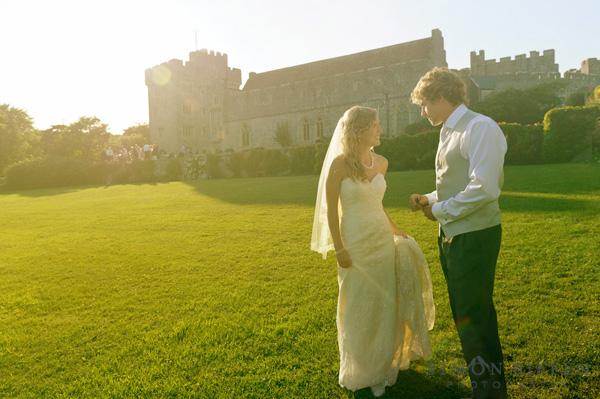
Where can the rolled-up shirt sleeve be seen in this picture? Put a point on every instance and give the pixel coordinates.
(484, 146)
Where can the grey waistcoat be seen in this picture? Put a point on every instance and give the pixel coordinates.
(452, 177)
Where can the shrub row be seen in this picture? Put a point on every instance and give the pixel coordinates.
(568, 134)
(60, 172)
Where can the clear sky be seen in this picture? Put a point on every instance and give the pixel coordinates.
(63, 59)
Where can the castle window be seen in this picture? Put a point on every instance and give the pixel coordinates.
(320, 128)
(212, 119)
(306, 130)
(245, 135)
(187, 107)
(187, 131)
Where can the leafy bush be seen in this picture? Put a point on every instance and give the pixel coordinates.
(421, 126)
(62, 172)
(302, 160)
(525, 143)
(568, 133)
(142, 171)
(213, 166)
(410, 152)
(254, 162)
(237, 162)
(53, 172)
(174, 169)
(320, 152)
(276, 163)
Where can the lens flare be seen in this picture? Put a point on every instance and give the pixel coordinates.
(161, 75)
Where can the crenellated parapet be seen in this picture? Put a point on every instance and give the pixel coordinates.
(534, 63)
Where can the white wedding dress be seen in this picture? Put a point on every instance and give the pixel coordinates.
(385, 303)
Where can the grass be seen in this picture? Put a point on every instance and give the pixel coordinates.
(210, 290)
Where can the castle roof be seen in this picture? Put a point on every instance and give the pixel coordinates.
(398, 53)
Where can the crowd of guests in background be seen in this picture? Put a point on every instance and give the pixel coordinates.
(134, 152)
(193, 163)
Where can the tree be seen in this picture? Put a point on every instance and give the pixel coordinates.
(594, 98)
(526, 106)
(141, 129)
(137, 134)
(282, 135)
(83, 139)
(422, 125)
(576, 99)
(16, 135)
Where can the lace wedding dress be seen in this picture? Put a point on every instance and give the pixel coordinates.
(385, 304)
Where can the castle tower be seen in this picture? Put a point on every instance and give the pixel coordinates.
(590, 66)
(187, 101)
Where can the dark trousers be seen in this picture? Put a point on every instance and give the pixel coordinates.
(469, 264)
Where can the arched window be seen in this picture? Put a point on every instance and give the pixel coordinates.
(320, 128)
(245, 135)
(306, 130)
(187, 106)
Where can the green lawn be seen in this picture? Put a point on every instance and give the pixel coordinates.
(210, 290)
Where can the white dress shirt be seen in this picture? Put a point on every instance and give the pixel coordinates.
(484, 146)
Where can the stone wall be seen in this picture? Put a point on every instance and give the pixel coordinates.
(535, 63)
(200, 105)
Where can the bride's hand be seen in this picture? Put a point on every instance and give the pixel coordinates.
(343, 258)
(398, 232)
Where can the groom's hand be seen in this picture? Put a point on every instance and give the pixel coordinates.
(418, 202)
(428, 213)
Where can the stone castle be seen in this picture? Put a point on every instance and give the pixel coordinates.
(200, 105)
(487, 76)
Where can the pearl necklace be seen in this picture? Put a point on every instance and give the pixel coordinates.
(372, 162)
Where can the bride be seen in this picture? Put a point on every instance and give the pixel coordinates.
(385, 304)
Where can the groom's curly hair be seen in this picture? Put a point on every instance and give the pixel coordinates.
(440, 82)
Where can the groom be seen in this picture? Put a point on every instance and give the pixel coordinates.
(469, 176)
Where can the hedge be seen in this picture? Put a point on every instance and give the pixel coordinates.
(569, 133)
(410, 152)
(525, 143)
(61, 172)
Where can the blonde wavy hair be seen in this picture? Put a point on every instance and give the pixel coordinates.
(355, 122)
